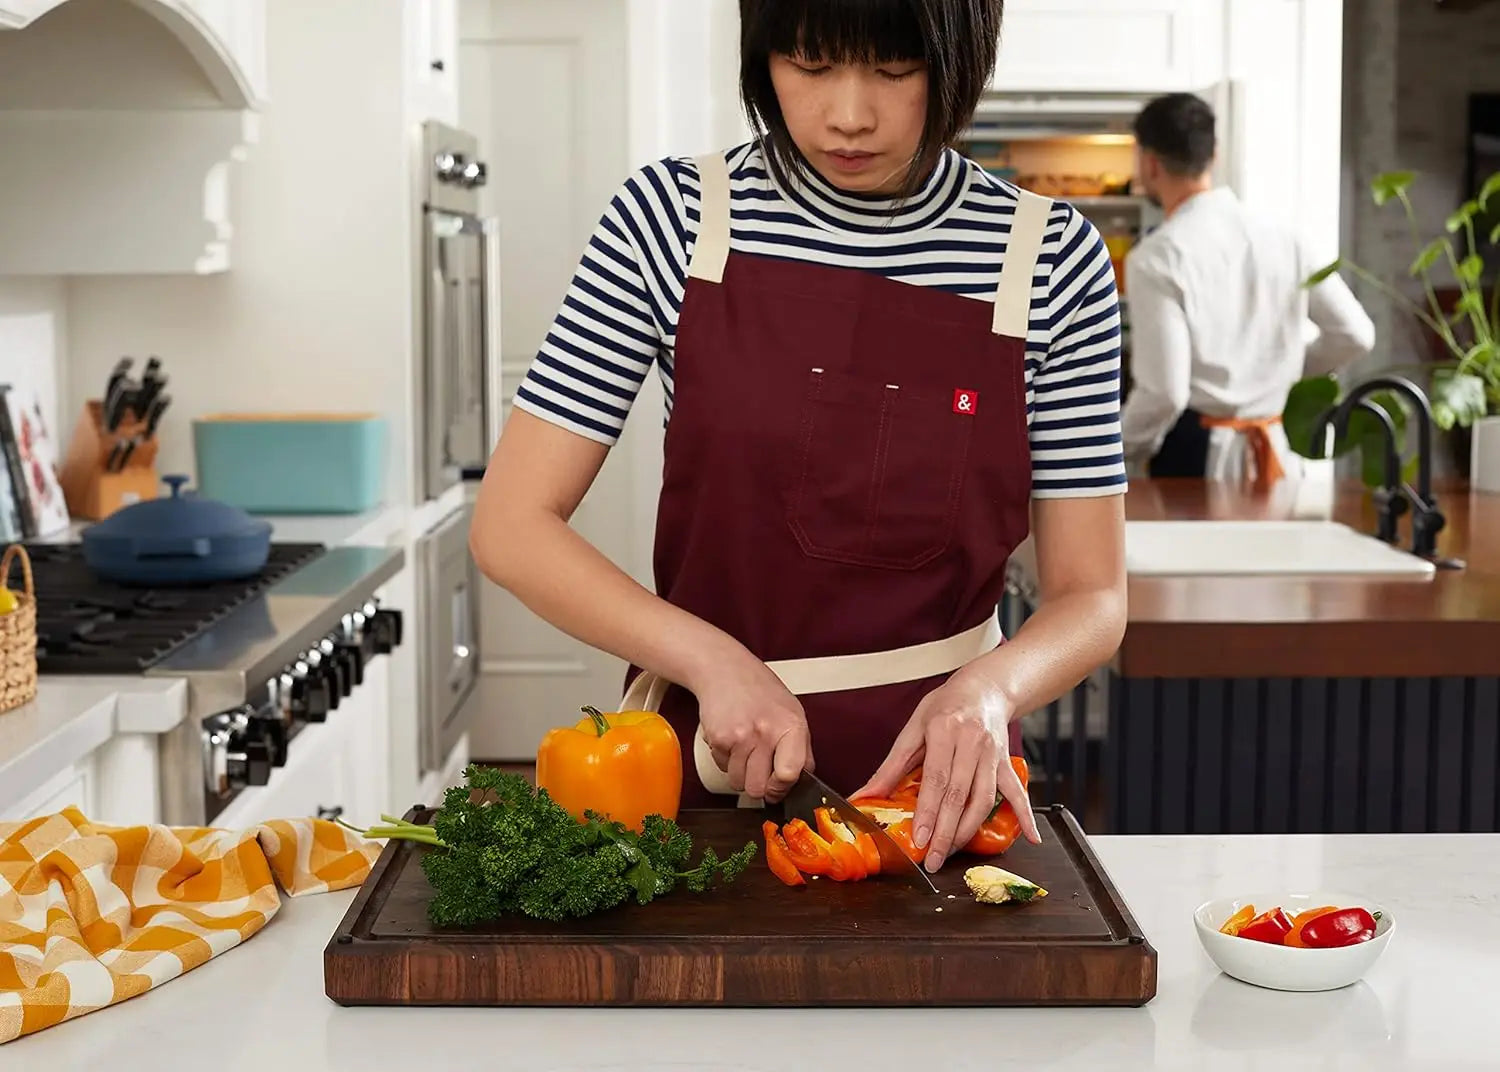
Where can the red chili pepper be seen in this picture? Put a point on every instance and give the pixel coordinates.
(779, 857)
(1333, 930)
(1271, 927)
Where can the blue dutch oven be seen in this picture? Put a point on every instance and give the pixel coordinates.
(177, 539)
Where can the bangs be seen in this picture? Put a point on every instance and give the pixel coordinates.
(839, 31)
(956, 41)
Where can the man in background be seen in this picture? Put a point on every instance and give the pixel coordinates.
(1217, 313)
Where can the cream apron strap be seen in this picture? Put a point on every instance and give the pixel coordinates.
(835, 673)
(711, 249)
(1013, 294)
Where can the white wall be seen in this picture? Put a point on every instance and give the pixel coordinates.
(316, 312)
(33, 338)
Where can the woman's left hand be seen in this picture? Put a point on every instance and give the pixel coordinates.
(959, 733)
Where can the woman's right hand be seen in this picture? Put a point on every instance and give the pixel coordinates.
(755, 728)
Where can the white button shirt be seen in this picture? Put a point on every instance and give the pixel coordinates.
(1218, 324)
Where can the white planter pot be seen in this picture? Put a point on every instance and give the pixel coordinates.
(1484, 455)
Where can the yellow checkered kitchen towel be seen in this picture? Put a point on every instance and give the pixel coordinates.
(92, 915)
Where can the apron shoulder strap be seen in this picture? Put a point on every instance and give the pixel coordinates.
(1013, 294)
(711, 249)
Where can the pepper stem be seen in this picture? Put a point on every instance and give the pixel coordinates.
(601, 724)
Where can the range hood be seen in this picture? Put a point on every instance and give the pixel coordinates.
(121, 122)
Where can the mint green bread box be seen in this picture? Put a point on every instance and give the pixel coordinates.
(292, 463)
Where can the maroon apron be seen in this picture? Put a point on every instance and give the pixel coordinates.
(847, 469)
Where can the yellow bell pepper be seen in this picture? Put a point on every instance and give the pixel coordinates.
(625, 765)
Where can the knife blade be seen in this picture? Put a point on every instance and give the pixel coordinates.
(811, 793)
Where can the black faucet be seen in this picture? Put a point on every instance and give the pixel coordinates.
(1427, 520)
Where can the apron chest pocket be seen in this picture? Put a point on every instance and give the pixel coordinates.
(878, 472)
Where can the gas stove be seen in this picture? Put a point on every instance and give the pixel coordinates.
(89, 626)
(268, 661)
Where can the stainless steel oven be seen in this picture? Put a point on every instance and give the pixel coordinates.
(460, 285)
(448, 603)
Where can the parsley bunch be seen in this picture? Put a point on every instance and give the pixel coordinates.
(503, 847)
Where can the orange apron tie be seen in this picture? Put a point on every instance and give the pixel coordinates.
(1268, 467)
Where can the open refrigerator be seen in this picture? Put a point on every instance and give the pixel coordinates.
(1079, 147)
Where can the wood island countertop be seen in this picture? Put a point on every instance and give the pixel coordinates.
(1313, 626)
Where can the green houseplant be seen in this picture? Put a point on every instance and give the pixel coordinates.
(1464, 390)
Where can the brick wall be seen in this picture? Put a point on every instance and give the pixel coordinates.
(1409, 70)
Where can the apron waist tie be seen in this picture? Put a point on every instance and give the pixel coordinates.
(1268, 467)
(831, 673)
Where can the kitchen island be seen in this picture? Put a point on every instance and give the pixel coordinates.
(1329, 702)
(1424, 1005)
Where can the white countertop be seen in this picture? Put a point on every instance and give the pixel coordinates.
(1427, 1004)
(72, 716)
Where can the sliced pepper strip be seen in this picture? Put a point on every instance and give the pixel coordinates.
(1235, 923)
(868, 851)
(778, 856)
(810, 853)
(1270, 927)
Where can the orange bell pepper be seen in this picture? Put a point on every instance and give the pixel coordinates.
(779, 857)
(998, 834)
(625, 765)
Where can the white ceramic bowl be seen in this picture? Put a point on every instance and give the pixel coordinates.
(1289, 967)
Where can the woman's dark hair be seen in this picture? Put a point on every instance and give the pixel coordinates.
(1179, 129)
(956, 39)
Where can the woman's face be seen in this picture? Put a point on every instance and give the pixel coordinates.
(859, 125)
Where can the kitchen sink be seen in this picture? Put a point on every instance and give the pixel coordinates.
(1193, 548)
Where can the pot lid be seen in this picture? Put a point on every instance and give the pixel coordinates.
(175, 518)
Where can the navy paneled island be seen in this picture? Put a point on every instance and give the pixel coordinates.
(1265, 702)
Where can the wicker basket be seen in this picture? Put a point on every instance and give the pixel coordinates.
(18, 637)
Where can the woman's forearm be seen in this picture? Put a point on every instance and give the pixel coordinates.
(557, 574)
(1062, 643)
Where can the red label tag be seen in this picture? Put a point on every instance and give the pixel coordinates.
(965, 402)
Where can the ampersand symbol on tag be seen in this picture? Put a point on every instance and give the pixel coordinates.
(965, 402)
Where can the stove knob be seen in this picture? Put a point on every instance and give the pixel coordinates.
(309, 694)
(271, 730)
(216, 736)
(354, 658)
(339, 664)
(386, 626)
(333, 678)
(364, 634)
(249, 763)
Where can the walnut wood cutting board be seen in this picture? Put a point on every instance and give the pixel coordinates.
(760, 943)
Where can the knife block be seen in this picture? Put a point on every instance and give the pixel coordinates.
(91, 490)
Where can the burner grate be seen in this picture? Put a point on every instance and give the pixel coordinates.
(89, 626)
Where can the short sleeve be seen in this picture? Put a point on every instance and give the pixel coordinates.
(1076, 448)
(619, 308)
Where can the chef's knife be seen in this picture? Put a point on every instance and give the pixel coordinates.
(158, 407)
(811, 793)
(115, 392)
(151, 385)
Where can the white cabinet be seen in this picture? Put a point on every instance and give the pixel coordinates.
(432, 59)
(93, 99)
(71, 787)
(1109, 45)
(17, 13)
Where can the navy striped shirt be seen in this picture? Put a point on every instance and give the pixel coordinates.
(619, 317)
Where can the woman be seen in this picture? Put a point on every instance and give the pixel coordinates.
(883, 368)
